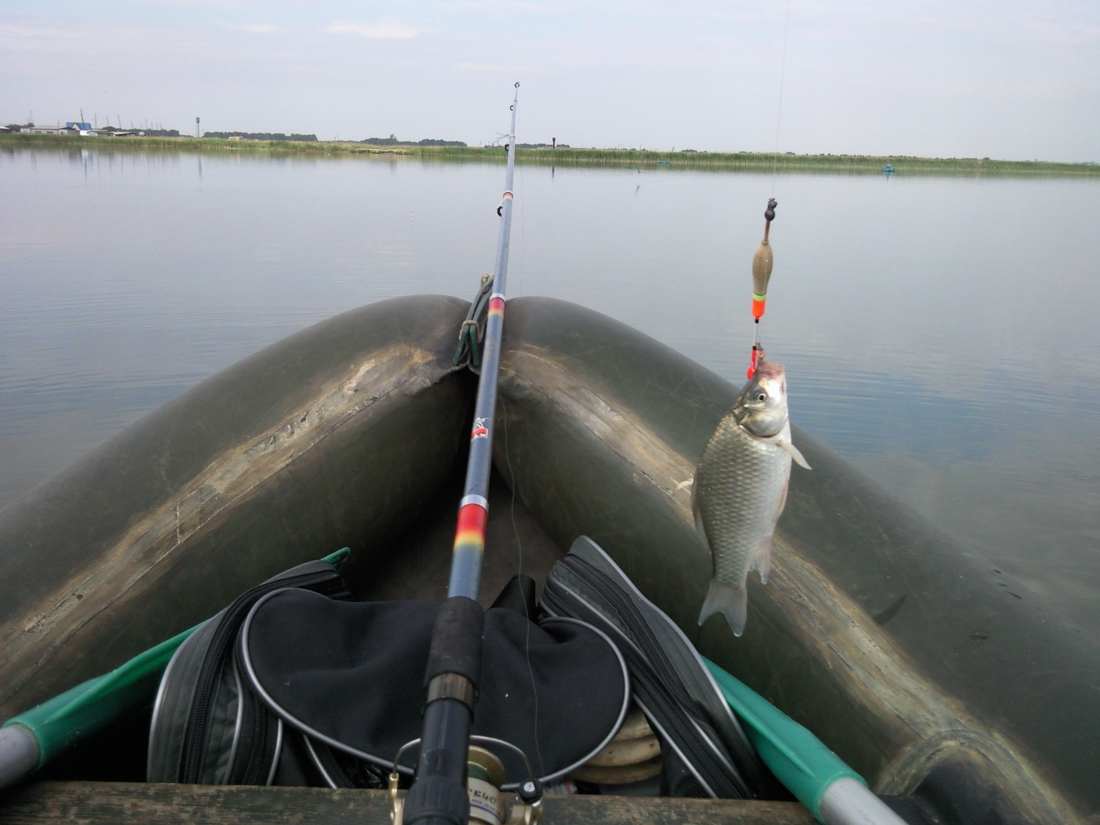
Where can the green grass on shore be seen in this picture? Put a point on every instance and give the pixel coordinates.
(625, 158)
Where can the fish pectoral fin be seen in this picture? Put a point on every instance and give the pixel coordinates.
(795, 454)
(697, 516)
(731, 600)
(762, 558)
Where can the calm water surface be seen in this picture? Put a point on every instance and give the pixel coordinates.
(940, 333)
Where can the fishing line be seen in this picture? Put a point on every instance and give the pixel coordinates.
(779, 104)
(521, 208)
(526, 612)
(523, 226)
(761, 268)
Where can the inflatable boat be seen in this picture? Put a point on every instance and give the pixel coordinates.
(909, 656)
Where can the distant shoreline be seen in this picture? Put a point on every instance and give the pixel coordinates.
(621, 158)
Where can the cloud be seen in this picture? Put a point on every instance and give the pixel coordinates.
(482, 67)
(380, 30)
(513, 71)
(504, 8)
(15, 31)
(256, 28)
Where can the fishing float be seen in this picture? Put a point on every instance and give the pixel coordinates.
(762, 262)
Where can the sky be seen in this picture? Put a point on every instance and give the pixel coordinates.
(1011, 79)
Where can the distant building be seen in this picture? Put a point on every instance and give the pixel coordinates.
(111, 131)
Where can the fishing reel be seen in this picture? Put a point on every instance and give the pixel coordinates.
(486, 787)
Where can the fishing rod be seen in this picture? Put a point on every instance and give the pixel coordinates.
(438, 795)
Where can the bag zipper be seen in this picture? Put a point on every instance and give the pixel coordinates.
(193, 754)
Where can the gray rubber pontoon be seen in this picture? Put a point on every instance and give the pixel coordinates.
(900, 648)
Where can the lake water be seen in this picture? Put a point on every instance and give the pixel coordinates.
(940, 333)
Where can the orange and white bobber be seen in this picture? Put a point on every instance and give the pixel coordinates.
(761, 274)
(762, 265)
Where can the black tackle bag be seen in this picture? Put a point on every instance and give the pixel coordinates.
(294, 684)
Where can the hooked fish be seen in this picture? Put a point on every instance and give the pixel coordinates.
(740, 490)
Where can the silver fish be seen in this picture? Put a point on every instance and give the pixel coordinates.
(740, 490)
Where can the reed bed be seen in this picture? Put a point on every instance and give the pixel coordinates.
(570, 156)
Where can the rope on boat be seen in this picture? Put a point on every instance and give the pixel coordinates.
(472, 330)
(634, 755)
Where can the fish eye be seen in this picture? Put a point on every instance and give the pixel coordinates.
(761, 396)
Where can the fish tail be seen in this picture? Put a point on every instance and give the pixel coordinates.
(732, 601)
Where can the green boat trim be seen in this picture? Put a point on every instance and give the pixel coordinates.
(91, 706)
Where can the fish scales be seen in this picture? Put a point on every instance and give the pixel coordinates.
(750, 476)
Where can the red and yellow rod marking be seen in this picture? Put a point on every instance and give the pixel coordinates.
(496, 306)
(470, 532)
